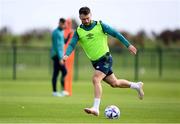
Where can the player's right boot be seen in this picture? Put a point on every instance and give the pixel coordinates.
(57, 94)
(92, 111)
(140, 90)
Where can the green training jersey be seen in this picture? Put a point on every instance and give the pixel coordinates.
(94, 42)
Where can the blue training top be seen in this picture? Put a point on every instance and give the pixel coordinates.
(57, 43)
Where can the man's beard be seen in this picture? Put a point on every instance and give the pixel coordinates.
(86, 24)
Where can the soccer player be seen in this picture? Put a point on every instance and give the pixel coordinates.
(92, 36)
(57, 52)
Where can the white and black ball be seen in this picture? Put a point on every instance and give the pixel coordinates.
(112, 112)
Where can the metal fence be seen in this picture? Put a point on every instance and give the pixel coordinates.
(20, 62)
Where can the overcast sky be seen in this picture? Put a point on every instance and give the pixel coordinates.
(130, 15)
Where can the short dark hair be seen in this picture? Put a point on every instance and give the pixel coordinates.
(84, 10)
(62, 20)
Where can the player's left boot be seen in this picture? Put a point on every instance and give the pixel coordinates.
(140, 90)
(92, 111)
(65, 93)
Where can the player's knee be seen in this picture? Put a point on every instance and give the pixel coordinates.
(64, 73)
(95, 79)
(114, 84)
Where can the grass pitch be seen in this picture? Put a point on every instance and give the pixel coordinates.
(25, 101)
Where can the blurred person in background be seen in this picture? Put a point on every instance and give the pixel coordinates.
(57, 52)
(92, 36)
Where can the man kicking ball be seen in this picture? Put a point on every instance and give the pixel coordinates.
(92, 36)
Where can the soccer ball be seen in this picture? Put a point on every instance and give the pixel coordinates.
(112, 112)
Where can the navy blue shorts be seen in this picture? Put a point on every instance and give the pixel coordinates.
(104, 64)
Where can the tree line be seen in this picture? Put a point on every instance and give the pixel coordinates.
(165, 37)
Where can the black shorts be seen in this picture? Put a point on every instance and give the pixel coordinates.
(104, 64)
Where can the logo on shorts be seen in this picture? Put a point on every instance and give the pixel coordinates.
(106, 65)
(97, 67)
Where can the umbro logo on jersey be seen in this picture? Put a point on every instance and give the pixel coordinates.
(90, 36)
